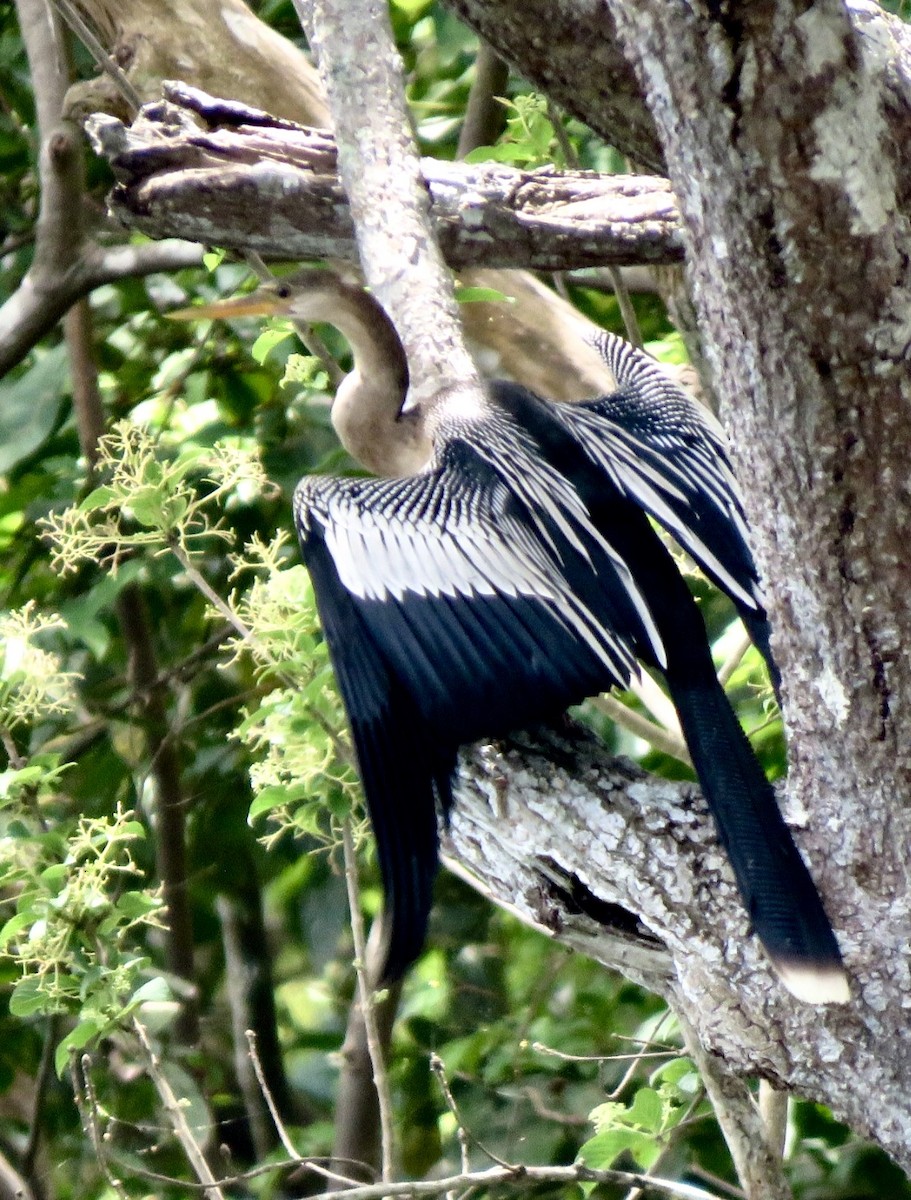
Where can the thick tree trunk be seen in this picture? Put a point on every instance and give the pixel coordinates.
(784, 130)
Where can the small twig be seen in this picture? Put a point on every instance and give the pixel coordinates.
(87, 1104)
(733, 660)
(657, 701)
(627, 311)
(717, 1182)
(365, 994)
(650, 731)
(16, 761)
(570, 157)
(296, 1164)
(607, 1058)
(317, 348)
(175, 1111)
(357, 1134)
(543, 1109)
(104, 60)
(635, 1064)
(183, 670)
(202, 584)
(280, 1128)
(645, 1044)
(436, 1065)
(258, 266)
(463, 1185)
(519, 1174)
(342, 752)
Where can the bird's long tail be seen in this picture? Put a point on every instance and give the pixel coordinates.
(779, 894)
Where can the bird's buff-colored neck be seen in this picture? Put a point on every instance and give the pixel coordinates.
(367, 412)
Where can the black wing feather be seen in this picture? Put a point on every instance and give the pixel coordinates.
(404, 772)
(457, 652)
(668, 454)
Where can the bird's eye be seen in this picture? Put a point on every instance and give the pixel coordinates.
(283, 291)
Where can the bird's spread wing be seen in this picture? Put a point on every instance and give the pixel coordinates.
(448, 618)
(461, 590)
(668, 454)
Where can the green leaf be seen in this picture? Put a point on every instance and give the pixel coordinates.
(99, 497)
(14, 926)
(681, 1073)
(412, 8)
(28, 997)
(54, 876)
(603, 1150)
(137, 904)
(647, 1110)
(508, 152)
(268, 340)
(670, 349)
(30, 406)
(85, 1032)
(212, 259)
(476, 295)
(606, 1115)
(270, 798)
(153, 991)
(11, 781)
(132, 829)
(146, 507)
(84, 615)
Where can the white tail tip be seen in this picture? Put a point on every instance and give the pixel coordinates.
(815, 983)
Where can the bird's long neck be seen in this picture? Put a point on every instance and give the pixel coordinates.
(367, 413)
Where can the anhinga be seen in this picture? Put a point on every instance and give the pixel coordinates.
(507, 568)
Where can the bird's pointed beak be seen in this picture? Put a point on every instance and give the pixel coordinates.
(260, 303)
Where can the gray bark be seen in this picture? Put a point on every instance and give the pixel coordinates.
(784, 130)
(541, 39)
(251, 183)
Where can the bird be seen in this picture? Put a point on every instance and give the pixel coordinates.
(502, 565)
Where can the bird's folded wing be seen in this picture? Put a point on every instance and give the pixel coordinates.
(668, 454)
(485, 624)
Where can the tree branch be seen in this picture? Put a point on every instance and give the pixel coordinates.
(759, 1168)
(58, 256)
(31, 312)
(251, 998)
(625, 868)
(542, 40)
(485, 115)
(249, 182)
(380, 170)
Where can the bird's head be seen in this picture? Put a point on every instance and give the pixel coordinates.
(367, 413)
(312, 294)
